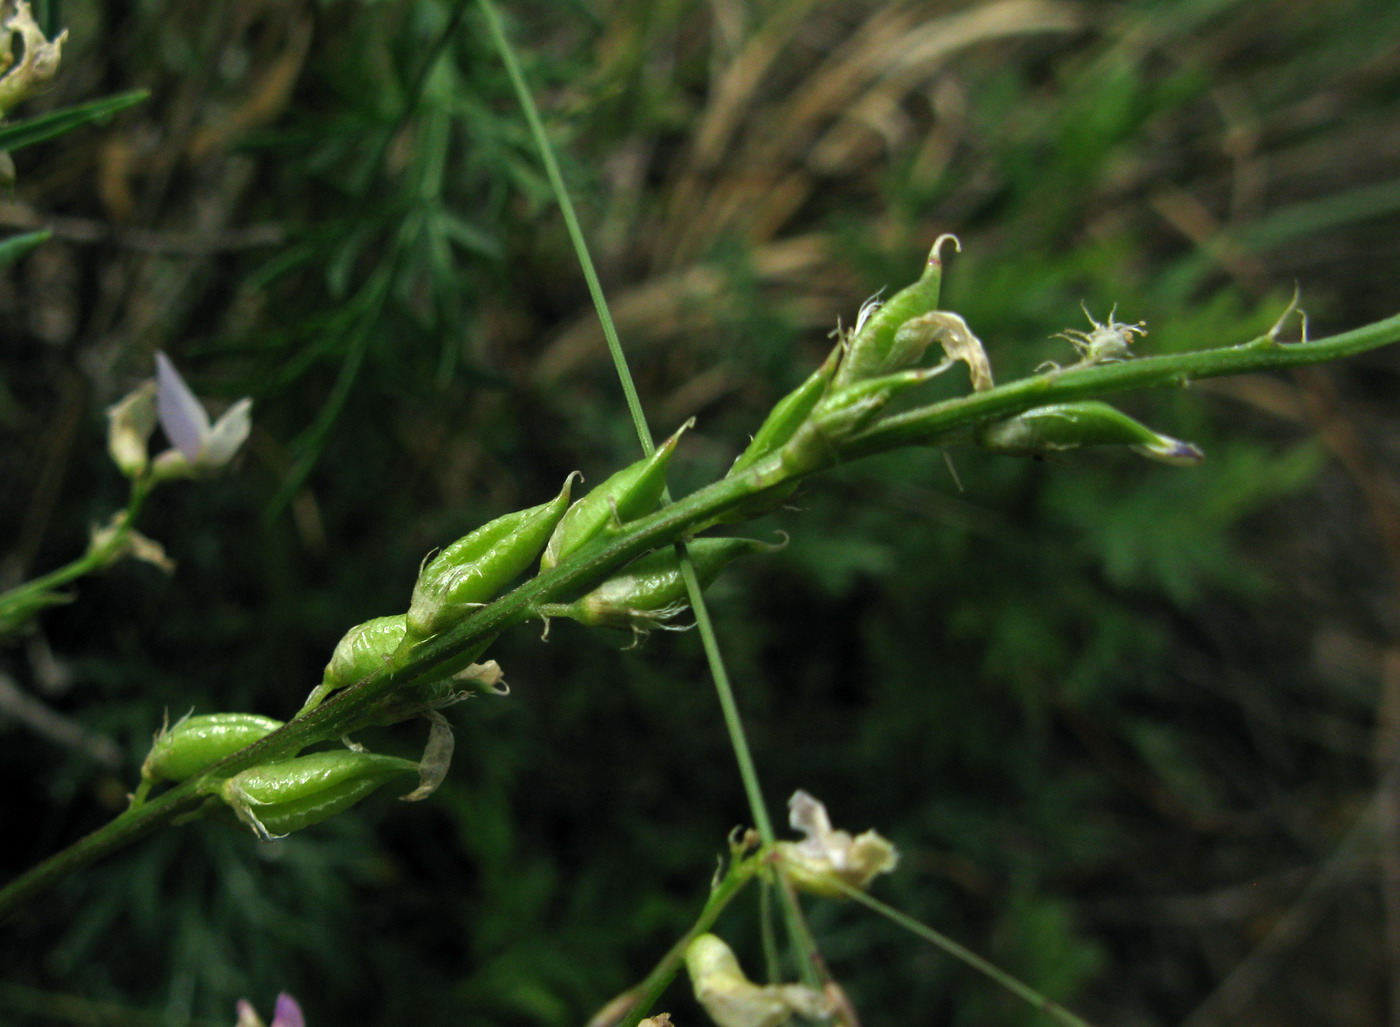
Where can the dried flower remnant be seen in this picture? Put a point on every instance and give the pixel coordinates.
(198, 445)
(130, 422)
(732, 1000)
(40, 60)
(1106, 343)
(829, 862)
(286, 1014)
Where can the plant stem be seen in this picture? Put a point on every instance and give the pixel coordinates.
(966, 955)
(566, 207)
(933, 423)
(17, 599)
(649, 991)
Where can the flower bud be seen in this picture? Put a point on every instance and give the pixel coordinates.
(732, 1000)
(276, 799)
(130, 422)
(828, 862)
(632, 492)
(473, 569)
(1064, 426)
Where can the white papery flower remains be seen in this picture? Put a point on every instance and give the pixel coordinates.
(827, 858)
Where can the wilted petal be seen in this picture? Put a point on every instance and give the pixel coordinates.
(288, 1013)
(247, 1015)
(732, 1000)
(827, 859)
(182, 418)
(130, 422)
(228, 433)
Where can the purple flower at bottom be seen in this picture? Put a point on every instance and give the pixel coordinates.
(287, 1014)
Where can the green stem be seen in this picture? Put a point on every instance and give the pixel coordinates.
(566, 207)
(23, 596)
(966, 955)
(649, 991)
(935, 424)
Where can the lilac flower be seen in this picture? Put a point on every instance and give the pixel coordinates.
(198, 445)
(287, 1014)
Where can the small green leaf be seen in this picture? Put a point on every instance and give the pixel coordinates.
(55, 123)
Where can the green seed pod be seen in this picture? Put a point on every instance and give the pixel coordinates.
(1062, 426)
(360, 652)
(366, 647)
(276, 799)
(196, 743)
(873, 349)
(473, 569)
(632, 492)
(651, 590)
(787, 416)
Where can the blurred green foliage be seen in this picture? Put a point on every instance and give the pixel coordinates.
(1086, 697)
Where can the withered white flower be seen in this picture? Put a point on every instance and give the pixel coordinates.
(827, 856)
(36, 66)
(130, 422)
(199, 447)
(732, 1000)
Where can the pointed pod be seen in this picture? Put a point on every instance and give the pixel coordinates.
(195, 744)
(787, 415)
(363, 650)
(873, 349)
(632, 492)
(475, 568)
(276, 799)
(1064, 426)
(651, 588)
(367, 647)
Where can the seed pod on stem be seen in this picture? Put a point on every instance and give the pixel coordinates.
(367, 647)
(650, 590)
(473, 569)
(194, 744)
(632, 492)
(873, 349)
(787, 415)
(276, 799)
(1065, 426)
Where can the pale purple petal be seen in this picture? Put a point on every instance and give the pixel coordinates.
(182, 419)
(288, 1013)
(228, 433)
